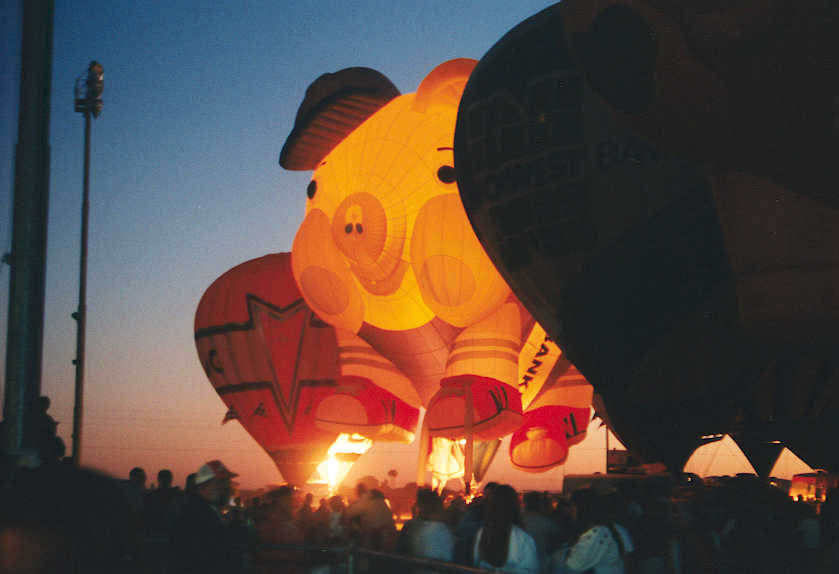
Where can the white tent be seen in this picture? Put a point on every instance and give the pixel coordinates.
(725, 458)
(719, 458)
(789, 464)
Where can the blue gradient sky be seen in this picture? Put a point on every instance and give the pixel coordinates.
(185, 184)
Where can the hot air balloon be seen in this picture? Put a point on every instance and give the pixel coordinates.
(270, 359)
(556, 400)
(547, 377)
(385, 250)
(291, 380)
(703, 80)
(618, 166)
(543, 440)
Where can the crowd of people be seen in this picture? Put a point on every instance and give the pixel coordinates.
(59, 518)
(647, 526)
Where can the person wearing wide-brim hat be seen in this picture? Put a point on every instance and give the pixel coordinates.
(202, 541)
(213, 482)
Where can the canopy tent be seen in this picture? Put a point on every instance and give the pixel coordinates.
(724, 457)
(788, 465)
(719, 458)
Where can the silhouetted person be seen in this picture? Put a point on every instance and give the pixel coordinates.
(49, 445)
(305, 515)
(322, 513)
(353, 512)
(373, 519)
(536, 522)
(189, 485)
(454, 512)
(162, 506)
(427, 535)
(337, 520)
(469, 524)
(135, 488)
(201, 540)
(279, 529)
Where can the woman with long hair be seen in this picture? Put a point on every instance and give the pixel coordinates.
(501, 543)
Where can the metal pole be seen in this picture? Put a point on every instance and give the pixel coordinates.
(607, 449)
(81, 313)
(468, 422)
(422, 459)
(24, 342)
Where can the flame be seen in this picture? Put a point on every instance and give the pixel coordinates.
(340, 458)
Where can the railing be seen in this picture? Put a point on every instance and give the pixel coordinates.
(288, 558)
(302, 559)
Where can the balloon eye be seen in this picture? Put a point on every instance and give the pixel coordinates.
(359, 228)
(311, 189)
(446, 174)
(348, 228)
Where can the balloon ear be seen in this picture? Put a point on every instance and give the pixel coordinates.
(335, 104)
(444, 85)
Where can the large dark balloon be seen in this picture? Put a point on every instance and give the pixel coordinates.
(693, 282)
(747, 85)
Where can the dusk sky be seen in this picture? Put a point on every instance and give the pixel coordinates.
(185, 184)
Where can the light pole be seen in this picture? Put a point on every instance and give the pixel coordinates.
(88, 101)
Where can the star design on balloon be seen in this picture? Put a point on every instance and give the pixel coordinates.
(276, 330)
(278, 335)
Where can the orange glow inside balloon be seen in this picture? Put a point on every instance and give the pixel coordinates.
(386, 240)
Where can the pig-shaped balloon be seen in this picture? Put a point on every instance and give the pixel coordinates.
(386, 250)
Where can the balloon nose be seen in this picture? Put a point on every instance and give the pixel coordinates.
(368, 236)
(359, 228)
(354, 217)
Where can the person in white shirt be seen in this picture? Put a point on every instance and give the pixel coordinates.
(602, 545)
(501, 543)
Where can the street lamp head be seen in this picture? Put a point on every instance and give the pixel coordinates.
(95, 80)
(89, 88)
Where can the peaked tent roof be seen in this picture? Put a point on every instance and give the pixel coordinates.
(789, 464)
(719, 458)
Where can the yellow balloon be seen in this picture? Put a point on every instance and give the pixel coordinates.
(386, 240)
(386, 251)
